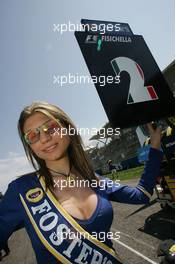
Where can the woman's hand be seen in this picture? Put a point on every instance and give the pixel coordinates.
(155, 136)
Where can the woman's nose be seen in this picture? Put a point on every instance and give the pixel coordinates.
(44, 136)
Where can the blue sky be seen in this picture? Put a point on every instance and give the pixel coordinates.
(31, 53)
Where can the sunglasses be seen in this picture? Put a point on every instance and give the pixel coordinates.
(33, 135)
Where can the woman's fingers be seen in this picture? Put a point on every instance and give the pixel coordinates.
(155, 135)
(150, 127)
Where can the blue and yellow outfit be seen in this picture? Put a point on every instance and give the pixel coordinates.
(25, 204)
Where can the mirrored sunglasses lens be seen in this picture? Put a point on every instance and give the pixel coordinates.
(32, 137)
(53, 127)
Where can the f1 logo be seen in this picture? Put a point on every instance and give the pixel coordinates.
(91, 39)
(137, 91)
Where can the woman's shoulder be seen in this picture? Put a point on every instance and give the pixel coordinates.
(24, 179)
(20, 184)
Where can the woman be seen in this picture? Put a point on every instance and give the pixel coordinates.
(64, 219)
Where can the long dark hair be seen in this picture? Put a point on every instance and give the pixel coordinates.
(77, 156)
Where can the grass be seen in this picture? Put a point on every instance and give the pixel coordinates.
(133, 173)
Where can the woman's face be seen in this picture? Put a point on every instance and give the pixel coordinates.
(50, 146)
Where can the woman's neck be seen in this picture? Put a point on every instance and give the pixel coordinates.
(62, 165)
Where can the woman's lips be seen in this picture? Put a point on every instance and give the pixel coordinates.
(50, 149)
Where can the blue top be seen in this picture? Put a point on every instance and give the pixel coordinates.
(124, 194)
(13, 215)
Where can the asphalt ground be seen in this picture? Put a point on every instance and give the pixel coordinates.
(140, 234)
